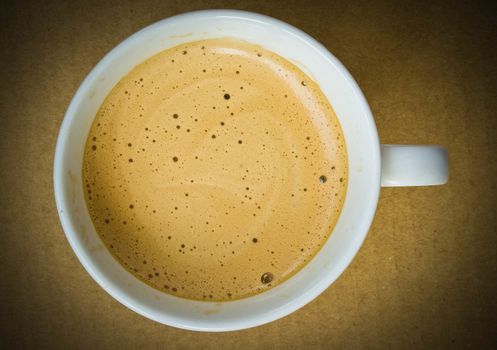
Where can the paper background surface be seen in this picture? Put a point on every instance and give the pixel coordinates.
(426, 275)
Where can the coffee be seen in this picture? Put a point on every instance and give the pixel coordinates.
(215, 170)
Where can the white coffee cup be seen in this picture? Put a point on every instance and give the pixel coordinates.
(370, 166)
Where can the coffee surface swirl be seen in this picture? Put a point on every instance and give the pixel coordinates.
(215, 170)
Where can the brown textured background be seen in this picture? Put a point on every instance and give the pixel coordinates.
(426, 275)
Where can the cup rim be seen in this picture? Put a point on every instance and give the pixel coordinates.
(70, 114)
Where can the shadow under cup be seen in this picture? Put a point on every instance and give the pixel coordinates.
(363, 179)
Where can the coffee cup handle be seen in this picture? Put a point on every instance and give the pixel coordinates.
(413, 165)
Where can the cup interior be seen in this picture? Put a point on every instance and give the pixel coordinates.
(363, 156)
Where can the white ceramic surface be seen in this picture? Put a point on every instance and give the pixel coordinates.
(410, 165)
(364, 171)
